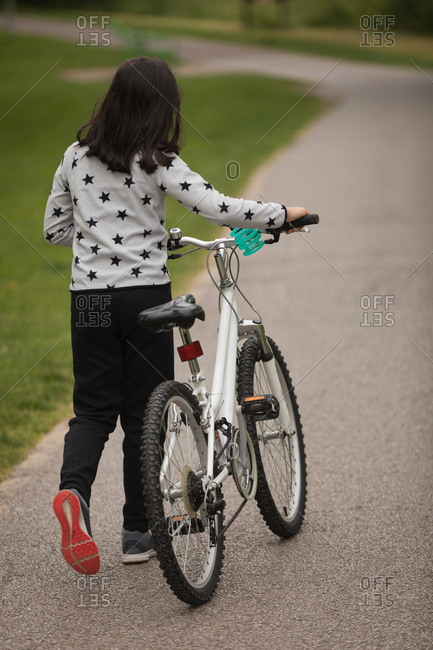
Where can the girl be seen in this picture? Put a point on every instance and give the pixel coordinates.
(107, 203)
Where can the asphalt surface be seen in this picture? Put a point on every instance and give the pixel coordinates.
(358, 575)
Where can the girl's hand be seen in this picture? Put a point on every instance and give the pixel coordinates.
(294, 213)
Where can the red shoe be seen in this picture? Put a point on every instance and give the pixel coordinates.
(78, 547)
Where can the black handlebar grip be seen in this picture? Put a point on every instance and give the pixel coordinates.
(306, 220)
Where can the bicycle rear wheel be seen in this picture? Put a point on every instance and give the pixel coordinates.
(173, 461)
(282, 476)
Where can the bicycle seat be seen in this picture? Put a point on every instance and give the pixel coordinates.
(180, 312)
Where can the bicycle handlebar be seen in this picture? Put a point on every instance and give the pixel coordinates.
(200, 243)
(176, 240)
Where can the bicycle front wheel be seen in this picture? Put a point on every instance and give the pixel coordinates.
(282, 476)
(173, 461)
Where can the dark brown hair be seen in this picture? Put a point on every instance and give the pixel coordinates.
(139, 114)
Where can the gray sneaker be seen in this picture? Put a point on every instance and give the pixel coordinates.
(137, 547)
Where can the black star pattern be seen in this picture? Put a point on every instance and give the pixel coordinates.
(162, 222)
(128, 181)
(162, 187)
(224, 207)
(110, 169)
(57, 212)
(168, 165)
(146, 200)
(115, 260)
(208, 186)
(91, 275)
(88, 179)
(66, 188)
(95, 249)
(74, 163)
(271, 222)
(160, 245)
(105, 197)
(75, 200)
(91, 222)
(195, 209)
(136, 272)
(117, 239)
(77, 260)
(185, 186)
(165, 270)
(110, 286)
(121, 214)
(146, 232)
(49, 236)
(80, 236)
(259, 202)
(144, 254)
(248, 215)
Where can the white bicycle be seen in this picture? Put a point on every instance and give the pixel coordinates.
(191, 441)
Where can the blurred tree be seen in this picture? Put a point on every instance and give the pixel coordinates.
(10, 13)
(104, 5)
(247, 13)
(411, 15)
(283, 7)
(282, 17)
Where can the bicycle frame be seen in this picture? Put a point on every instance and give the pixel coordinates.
(220, 403)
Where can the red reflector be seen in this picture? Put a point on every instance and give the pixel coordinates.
(190, 351)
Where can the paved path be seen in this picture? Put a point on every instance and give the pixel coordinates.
(359, 573)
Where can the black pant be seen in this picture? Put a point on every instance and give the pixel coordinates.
(117, 364)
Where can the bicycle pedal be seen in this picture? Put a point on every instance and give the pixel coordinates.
(261, 407)
(184, 525)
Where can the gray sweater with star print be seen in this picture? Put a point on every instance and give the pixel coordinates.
(115, 222)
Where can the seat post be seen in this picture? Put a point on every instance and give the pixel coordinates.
(185, 336)
(194, 365)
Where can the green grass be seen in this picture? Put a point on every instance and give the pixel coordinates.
(229, 114)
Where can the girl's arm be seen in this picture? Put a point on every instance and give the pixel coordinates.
(59, 218)
(199, 196)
